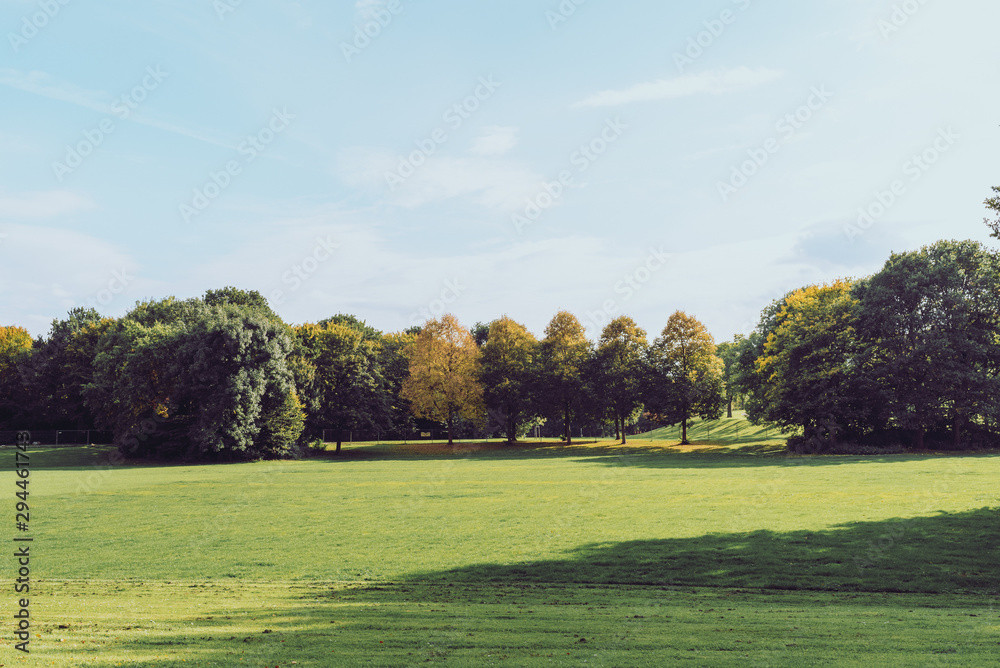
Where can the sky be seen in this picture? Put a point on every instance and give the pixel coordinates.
(400, 159)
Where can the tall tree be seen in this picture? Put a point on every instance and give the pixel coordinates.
(61, 366)
(444, 374)
(686, 375)
(564, 355)
(808, 364)
(729, 352)
(506, 372)
(930, 325)
(348, 388)
(15, 350)
(619, 370)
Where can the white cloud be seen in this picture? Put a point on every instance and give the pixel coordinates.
(714, 82)
(43, 204)
(494, 141)
(493, 183)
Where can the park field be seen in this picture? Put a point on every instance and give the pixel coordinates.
(728, 552)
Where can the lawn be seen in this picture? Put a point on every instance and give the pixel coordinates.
(727, 552)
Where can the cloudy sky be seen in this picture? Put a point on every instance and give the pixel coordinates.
(395, 159)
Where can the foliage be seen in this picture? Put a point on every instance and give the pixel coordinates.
(929, 325)
(15, 350)
(618, 370)
(685, 374)
(729, 353)
(563, 358)
(198, 381)
(808, 364)
(993, 204)
(506, 372)
(443, 383)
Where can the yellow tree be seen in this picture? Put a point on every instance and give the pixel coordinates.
(444, 370)
(619, 369)
(15, 347)
(686, 374)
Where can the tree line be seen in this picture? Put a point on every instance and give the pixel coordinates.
(907, 357)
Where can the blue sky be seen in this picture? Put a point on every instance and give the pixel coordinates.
(484, 158)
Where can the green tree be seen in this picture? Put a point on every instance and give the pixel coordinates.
(729, 352)
(930, 322)
(685, 374)
(59, 368)
(563, 358)
(506, 372)
(808, 364)
(618, 370)
(348, 389)
(197, 381)
(443, 383)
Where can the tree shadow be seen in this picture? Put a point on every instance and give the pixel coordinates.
(947, 552)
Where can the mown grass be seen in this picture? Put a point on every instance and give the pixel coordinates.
(485, 554)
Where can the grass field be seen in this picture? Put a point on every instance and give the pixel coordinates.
(650, 554)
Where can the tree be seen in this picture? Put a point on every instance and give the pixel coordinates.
(686, 375)
(197, 381)
(395, 368)
(444, 369)
(808, 364)
(618, 370)
(993, 204)
(729, 352)
(929, 324)
(347, 386)
(61, 365)
(564, 355)
(15, 350)
(506, 372)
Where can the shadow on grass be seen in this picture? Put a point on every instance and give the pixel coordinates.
(948, 552)
(840, 576)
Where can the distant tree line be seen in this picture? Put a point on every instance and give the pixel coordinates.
(908, 357)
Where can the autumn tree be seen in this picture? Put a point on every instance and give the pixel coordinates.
(808, 365)
(685, 374)
(15, 349)
(563, 357)
(618, 370)
(506, 373)
(444, 374)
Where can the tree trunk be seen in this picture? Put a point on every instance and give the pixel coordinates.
(729, 410)
(684, 432)
(624, 437)
(618, 433)
(339, 441)
(569, 433)
(451, 422)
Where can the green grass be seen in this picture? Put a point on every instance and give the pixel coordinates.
(483, 554)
